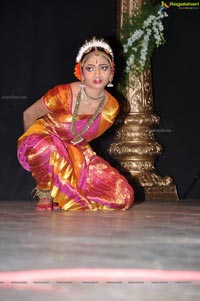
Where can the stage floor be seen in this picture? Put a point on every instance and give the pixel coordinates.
(150, 252)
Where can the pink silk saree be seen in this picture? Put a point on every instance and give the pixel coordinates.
(76, 176)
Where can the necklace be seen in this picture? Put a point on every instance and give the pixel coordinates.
(78, 135)
(91, 97)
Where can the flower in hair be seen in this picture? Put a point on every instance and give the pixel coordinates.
(77, 71)
(92, 44)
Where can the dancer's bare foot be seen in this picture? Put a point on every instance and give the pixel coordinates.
(44, 204)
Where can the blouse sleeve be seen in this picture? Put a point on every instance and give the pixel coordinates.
(58, 98)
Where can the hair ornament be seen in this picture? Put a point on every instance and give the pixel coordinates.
(92, 44)
(77, 71)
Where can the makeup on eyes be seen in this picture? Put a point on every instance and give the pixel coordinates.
(102, 67)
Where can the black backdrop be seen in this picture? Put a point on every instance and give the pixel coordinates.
(39, 42)
(176, 97)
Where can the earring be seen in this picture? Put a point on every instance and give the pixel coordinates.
(109, 85)
(82, 84)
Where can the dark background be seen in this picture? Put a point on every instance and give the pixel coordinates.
(39, 43)
(176, 99)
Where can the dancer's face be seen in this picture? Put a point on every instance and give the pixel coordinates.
(97, 71)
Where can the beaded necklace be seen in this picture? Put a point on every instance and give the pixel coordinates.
(78, 135)
(91, 97)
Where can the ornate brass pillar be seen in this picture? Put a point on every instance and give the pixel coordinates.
(135, 146)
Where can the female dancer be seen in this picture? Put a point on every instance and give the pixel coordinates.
(58, 128)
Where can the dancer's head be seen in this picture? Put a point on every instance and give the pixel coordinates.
(95, 48)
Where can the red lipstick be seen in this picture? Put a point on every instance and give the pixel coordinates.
(97, 81)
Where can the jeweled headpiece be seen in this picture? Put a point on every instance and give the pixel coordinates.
(94, 43)
(93, 46)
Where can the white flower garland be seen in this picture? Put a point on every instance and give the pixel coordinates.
(137, 44)
(92, 44)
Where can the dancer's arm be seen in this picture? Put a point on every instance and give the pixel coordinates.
(35, 111)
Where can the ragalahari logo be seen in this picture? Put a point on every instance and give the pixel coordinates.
(164, 5)
(180, 5)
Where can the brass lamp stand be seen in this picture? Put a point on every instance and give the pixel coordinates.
(134, 146)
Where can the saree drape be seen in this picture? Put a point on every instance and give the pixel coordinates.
(76, 176)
